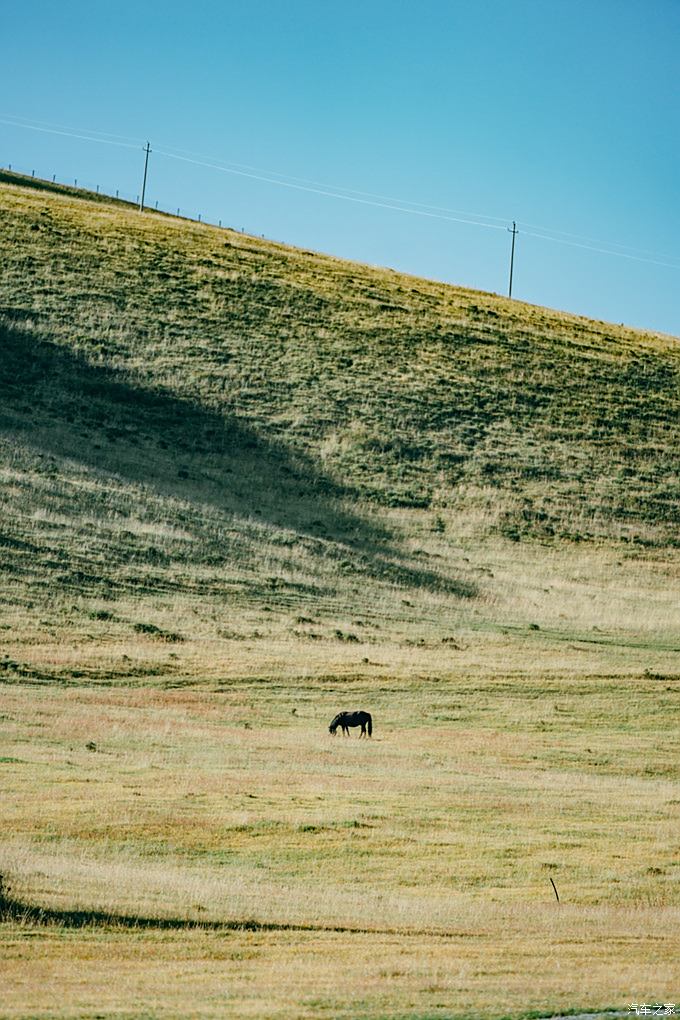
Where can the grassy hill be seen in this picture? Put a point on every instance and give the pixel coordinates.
(243, 486)
(187, 409)
(406, 392)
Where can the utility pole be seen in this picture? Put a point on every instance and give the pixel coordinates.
(147, 150)
(514, 233)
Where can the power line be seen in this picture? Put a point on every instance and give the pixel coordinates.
(29, 122)
(361, 197)
(592, 240)
(70, 134)
(230, 164)
(602, 251)
(399, 205)
(350, 197)
(327, 193)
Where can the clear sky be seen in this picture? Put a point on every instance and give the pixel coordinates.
(560, 114)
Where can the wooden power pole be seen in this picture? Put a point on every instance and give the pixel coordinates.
(147, 150)
(514, 233)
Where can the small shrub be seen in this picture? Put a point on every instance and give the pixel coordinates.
(349, 638)
(156, 632)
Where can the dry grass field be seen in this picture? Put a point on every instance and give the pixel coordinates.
(244, 487)
(210, 850)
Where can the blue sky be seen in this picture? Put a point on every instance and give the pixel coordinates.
(560, 114)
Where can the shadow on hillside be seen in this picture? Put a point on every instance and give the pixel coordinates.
(23, 912)
(13, 909)
(68, 407)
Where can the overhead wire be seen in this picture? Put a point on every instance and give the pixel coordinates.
(327, 193)
(591, 240)
(352, 195)
(602, 251)
(69, 134)
(36, 124)
(401, 205)
(226, 164)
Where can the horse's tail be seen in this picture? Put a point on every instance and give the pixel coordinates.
(370, 724)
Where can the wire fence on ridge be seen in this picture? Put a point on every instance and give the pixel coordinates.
(92, 189)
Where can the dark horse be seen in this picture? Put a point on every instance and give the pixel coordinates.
(346, 719)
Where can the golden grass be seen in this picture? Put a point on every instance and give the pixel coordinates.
(412, 870)
(315, 974)
(243, 487)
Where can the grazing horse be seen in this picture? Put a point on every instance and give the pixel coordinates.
(346, 719)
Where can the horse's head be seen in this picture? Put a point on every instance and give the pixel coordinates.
(332, 729)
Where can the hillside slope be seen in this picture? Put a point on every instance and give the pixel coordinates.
(192, 412)
(243, 487)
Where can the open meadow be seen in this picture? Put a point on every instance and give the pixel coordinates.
(244, 487)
